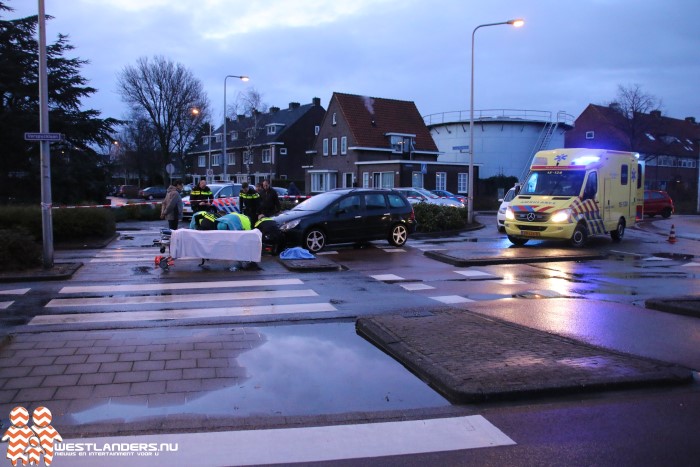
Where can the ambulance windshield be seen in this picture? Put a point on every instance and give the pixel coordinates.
(554, 183)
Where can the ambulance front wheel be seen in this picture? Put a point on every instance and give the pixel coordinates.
(580, 236)
(517, 240)
(619, 231)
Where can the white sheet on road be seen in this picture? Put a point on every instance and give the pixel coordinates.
(235, 245)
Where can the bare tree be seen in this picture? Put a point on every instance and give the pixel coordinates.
(168, 93)
(250, 103)
(633, 105)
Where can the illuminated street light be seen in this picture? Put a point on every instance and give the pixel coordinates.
(224, 159)
(470, 189)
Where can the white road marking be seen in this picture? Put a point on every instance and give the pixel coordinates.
(5, 305)
(178, 286)
(509, 282)
(133, 316)
(308, 444)
(472, 273)
(394, 250)
(326, 253)
(656, 258)
(119, 253)
(125, 259)
(691, 264)
(416, 286)
(387, 277)
(450, 299)
(14, 291)
(187, 298)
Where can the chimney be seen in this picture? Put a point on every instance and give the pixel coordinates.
(240, 117)
(614, 105)
(655, 113)
(294, 105)
(274, 110)
(316, 101)
(690, 119)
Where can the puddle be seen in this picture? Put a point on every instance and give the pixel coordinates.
(307, 369)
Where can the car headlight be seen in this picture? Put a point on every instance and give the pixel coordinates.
(502, 211)
(290, 225)
(561, 216)
(510, 215)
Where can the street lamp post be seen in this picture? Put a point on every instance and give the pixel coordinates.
(470, 189)
(224, 159)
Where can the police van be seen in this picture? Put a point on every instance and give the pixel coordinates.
(572, 194)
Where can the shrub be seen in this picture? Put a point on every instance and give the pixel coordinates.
(434, 218)
(68, 224)
(19, 249)
(143, 212)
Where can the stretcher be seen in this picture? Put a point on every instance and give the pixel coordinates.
(234, 245)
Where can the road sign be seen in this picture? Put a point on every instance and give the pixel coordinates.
(460, 148)
(170, 168)
(43, 136)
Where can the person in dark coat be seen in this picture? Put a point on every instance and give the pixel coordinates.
(269, 201)
(172, 207)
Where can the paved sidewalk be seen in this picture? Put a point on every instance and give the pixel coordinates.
(121, 372)
(472, 358)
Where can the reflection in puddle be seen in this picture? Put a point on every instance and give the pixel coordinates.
(308, 369)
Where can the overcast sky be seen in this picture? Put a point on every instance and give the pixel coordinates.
(569, 53)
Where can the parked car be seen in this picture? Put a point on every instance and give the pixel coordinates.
(501, 214)
(657, 202)
(225, 199)
(128, 191)
(153, 192)
(421, 195)
(450, 195)
(280, 191)
(348, 215)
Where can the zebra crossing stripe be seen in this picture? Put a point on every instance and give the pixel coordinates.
(186, 298)
(14, 291)
(309, 444)
(126, 259)
(178, 286)
(161, 315)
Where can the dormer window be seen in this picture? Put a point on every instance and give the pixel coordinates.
(271, 129)
(590, 135)
(334, 121)
(401, 143)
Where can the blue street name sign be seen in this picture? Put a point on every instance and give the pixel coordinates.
(460, 148)
(43, 136)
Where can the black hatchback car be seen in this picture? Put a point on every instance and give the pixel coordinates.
(348, 215)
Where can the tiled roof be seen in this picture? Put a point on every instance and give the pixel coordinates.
(658, 135)
(287, 117)
(370, 118)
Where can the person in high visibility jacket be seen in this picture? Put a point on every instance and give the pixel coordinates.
(249, 199)
(234, 221)
(201, 197)
(204, 220)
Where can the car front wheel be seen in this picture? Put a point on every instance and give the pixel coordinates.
(517, 240)
(314, 240)
(399, 235)
(666, 213)
(580, 236)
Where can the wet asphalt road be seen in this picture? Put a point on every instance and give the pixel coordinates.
(552, 296)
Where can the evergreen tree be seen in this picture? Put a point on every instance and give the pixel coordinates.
(78, 172)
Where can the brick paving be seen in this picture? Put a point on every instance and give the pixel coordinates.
(73, 371)
(471, 358)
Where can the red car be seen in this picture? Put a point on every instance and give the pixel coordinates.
(657, 202)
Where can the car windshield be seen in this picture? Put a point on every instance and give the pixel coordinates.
(554, 183)
(317, 202)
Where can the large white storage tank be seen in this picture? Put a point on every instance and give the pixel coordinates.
(504, 140)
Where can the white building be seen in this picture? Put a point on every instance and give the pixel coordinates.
(504, 140)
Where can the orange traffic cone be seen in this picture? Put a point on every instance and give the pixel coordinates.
(672, 234)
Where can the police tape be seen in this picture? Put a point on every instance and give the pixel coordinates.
(149, 203)
(223, 201)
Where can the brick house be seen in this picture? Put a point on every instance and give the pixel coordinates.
(270, 145)
(376, 142)
(669, 147)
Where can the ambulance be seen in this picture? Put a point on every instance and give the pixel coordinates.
(573, 194)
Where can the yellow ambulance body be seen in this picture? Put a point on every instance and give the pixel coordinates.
(572, 194)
